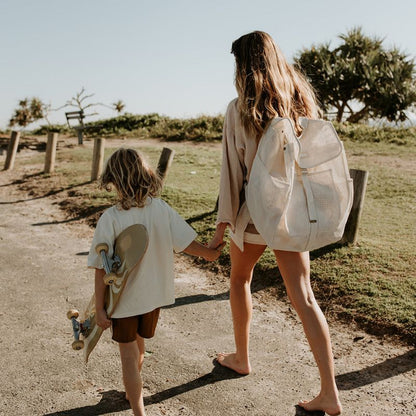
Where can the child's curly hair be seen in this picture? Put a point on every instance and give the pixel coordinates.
(132, 178)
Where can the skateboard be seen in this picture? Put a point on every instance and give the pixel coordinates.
(129, 249)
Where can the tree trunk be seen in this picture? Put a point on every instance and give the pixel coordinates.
(340, 112)
(359, 115)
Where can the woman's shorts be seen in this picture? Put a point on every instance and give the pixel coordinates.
(254, 239)
(126, 329)
(252, 236)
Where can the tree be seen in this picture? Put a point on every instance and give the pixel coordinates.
(360, 78)
(29, 111)
(79, 101)
(118, 106)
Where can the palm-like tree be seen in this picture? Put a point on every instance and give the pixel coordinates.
(119, 106)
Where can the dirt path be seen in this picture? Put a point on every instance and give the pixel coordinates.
(43, 274)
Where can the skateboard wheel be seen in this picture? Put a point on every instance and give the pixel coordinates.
(72, 313)
(100, 247)
(78, 345)
(109, 279)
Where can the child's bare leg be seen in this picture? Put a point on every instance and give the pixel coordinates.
(129, 353)
(141, 346)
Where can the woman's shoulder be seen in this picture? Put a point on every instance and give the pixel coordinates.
(232, 106)
(231, 115)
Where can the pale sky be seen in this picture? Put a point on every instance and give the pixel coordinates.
(170, 57)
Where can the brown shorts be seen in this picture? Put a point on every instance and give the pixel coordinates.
(126, 329)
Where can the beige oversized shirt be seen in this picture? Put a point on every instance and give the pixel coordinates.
(152, 284)
(239, 151)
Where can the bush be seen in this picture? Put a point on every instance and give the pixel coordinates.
(372, 134)
(122, 124)
(204, 128)
(209, 128)
(52, 128)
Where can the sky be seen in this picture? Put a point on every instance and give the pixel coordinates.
(171, 57)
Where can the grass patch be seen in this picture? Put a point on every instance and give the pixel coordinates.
(372, 283)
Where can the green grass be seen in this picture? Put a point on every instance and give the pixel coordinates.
(372, 283)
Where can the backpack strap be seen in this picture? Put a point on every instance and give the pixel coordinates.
(310, 203)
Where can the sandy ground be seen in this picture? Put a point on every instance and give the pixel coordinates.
(43, 274)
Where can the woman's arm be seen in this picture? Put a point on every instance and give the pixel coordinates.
(218, 238)
(232, 171)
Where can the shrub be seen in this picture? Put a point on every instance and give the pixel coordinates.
(52, 128)
(122, 124)
(203, 128)
(365, 133)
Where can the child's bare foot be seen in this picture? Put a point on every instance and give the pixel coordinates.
(230, 361)
(330, 405)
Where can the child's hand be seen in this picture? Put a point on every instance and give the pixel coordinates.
(199, 250)
(214, 253)
(102, 319)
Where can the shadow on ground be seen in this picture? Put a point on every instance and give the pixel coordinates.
(113, 401)
(381, 371)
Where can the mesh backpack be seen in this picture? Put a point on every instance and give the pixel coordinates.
(299, 193)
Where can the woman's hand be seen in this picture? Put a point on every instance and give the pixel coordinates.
(213, 253)
(218, 238)
(102, 319)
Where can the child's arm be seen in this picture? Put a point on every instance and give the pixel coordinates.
(199, 250)
(101, 314)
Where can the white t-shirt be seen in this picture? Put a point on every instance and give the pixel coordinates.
(152, 285)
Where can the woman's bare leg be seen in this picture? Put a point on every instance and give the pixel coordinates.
(295, 270)
(242, 265)
(129, 353)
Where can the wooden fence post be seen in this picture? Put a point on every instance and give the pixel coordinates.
(360, 178)
(165, 160)
(50, 152)
(97, 158)
(80, 134)
(11, 150)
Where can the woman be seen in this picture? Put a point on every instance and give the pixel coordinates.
(267, 86)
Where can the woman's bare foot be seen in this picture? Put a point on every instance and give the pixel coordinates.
(330, 405)
(230, 361)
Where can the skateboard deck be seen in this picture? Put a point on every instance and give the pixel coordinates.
(129, 249)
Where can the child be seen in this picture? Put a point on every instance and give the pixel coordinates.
(152, 285)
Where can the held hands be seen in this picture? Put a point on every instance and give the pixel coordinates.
(212, 254)
(102, 319)
(208, 253)
(217, 243)
(218, 238)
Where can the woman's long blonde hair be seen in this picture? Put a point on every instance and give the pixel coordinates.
(132, 178)
(268, 86)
